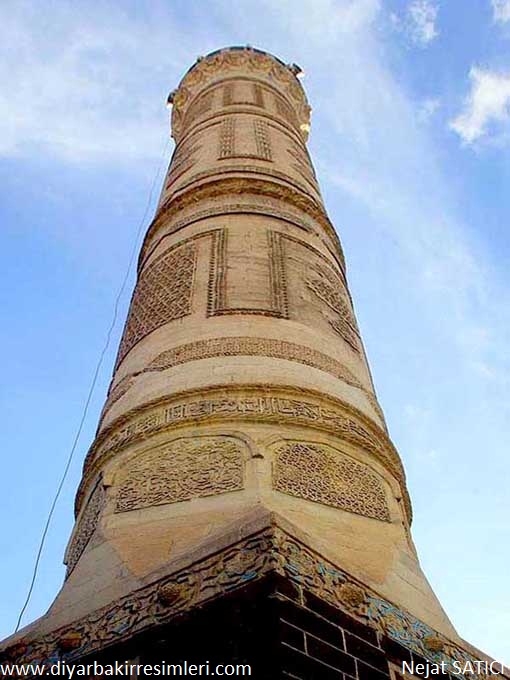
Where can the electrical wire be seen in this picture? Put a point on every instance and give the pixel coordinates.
(92, 387)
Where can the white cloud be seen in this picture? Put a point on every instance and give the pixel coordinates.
(85, 85)
(501, 11)
(422, 21)
(427, 108)
(486, 108)
(389, 164)
(418, 23)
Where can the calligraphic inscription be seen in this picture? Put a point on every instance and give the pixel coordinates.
(264, 408)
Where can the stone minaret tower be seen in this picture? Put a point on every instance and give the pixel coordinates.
(242, 493)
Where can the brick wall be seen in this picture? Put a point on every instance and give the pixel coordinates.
(279, 629)
(317, 640)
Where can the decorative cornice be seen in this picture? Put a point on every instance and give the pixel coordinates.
(249, 61)
(248, 169)
(243, 346)
(269, 551)
(250, 403)
(245, 185)
(151, 243)
(213, 118)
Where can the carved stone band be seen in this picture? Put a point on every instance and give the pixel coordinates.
(254, 557)
(251, 403)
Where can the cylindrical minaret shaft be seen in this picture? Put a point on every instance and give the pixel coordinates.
(241, 389)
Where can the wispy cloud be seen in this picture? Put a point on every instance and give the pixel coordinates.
(427, 108)
(501, 11)
(486, 112)
(89, 87)
(423, 16)
(389, 163)
(84, 85)
(418, 22)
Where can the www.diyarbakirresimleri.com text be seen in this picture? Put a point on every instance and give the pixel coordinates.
(124, 669)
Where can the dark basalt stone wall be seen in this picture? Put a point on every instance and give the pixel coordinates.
(276, 628)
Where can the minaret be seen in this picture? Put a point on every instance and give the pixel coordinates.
(242, 457)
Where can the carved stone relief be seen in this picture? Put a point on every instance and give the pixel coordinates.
(244, 137)
(249, 152)
(227, 138)
(262, 140)
(299, 199)
(254, 557)
(242, 207)
(260, 65)
(338, 309)
(162, 294)
(179, 471)
(183, 160)
(321, 474)
(86, 526)
(267, 404)
(248, 346)
(199, 107)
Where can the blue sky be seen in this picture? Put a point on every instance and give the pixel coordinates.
(411, 140)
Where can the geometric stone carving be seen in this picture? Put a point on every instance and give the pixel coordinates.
(254, 141)
(227, 138)
(228, 186)
(228, 208)
(179, 471)
(246, 346)
(329, 290)
(204, 71)
(262, 140)
(324, 475)
(253, 403)
(163, 293)
(86, 527)
(183, 160)
(200, 106)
